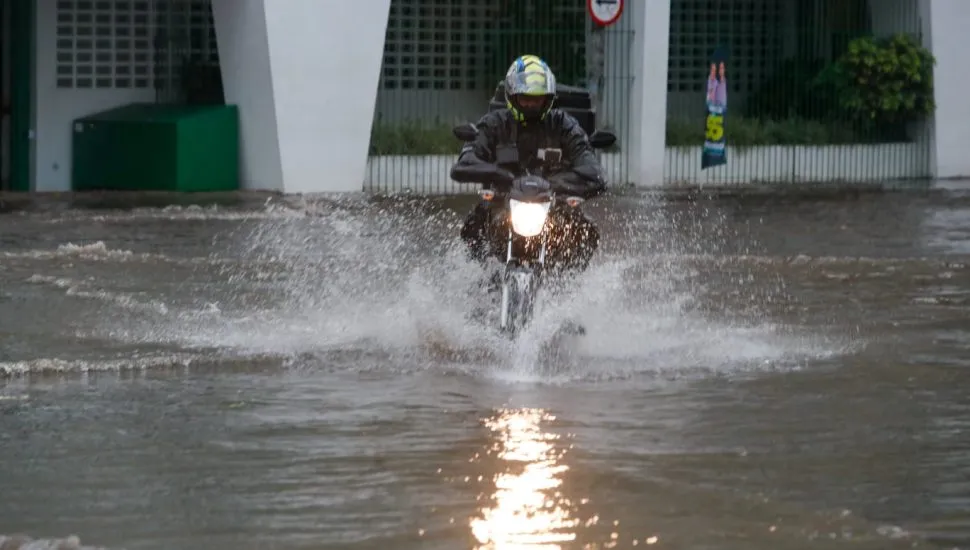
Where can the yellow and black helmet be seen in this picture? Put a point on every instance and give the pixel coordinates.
(531, 77)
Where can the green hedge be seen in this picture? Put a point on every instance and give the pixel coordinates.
(410, 138)
(746, 132)
(413, 139)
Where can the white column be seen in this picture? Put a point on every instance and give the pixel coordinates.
(951, 78)
(304, 74)
(248, 83)
(649, 102)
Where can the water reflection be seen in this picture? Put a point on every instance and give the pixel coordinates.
(527, 510)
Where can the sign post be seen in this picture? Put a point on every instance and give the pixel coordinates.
(605, 12)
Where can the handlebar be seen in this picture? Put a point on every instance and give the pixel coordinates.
(559, 188)
(498, 178)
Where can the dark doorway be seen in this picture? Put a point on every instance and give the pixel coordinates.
(17, 24)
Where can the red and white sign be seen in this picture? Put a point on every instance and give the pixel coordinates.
(605, 12)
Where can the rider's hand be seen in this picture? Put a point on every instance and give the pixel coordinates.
(567, 184)
(503, 177)
(595, 189)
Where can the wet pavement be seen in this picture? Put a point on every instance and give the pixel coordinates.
(758, 372)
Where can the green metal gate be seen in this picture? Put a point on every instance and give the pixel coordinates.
(20, 24)
(442, 62)
(799, 107)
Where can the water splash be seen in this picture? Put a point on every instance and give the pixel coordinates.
(390, 280)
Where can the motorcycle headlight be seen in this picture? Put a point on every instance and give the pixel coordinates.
(528, 218)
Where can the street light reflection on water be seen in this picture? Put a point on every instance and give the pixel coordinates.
(526, 510)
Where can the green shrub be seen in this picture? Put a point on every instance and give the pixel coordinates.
(746, 132)
(882, 82)
(411, 138)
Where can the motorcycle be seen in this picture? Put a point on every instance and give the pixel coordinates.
(523, 213)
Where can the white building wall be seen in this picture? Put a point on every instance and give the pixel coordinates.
(323, 61)
(948, 40)
(57, 106)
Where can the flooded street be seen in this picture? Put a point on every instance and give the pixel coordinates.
(758, 373)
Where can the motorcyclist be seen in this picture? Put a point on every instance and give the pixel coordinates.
(527, 125)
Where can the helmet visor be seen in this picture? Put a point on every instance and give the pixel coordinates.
(530, 82)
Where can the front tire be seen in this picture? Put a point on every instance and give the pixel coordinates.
(518, 299)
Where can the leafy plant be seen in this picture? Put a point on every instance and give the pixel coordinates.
(884, 81)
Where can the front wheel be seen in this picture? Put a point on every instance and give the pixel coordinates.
(518, 298)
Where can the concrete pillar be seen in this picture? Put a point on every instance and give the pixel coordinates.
(649, 102)
(304, 74)
(947, 22)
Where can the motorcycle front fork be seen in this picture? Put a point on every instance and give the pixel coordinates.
(509, 264)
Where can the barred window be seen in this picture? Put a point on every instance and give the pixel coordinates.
(752, 30)
(436, 44)
(129, 43)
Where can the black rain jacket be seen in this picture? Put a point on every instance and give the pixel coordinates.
(579, 173)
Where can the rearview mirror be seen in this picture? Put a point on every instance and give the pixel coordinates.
(465, 132)
(601, 139)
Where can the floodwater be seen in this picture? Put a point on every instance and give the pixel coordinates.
(760, 373)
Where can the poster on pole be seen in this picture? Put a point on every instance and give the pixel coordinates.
(714, 152)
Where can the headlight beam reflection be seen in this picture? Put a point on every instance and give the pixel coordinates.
(526, 510)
